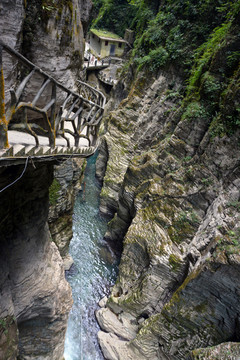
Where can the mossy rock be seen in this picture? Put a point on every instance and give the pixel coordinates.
(224, 351)
(175, 262)
(9, 338)
(54, 192)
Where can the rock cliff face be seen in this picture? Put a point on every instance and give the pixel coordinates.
(49, 34)
(35, 297)
(53, 38)
(62, 193)
(11, 23)
(12, 16)
(85, 11)
(174, 188)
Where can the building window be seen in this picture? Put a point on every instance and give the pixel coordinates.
(119, 45)
(106, 43)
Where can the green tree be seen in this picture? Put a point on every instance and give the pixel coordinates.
(113, 15)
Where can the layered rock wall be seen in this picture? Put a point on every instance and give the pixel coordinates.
(174, 190)
(35, 297)
(62, 193)
(53, 38)
(47, 33)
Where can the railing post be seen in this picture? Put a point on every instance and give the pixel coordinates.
(3, 121)
(53, 115)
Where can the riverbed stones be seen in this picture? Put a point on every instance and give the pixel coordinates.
(120, 325)
(102, 303)
(110, 344)
(68, 262)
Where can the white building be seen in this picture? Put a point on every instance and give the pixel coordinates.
(104, 43)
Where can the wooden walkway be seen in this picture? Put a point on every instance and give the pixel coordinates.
(42, 118)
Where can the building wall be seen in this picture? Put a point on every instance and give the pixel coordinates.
(99, 47)
(95, 44)
(105, 49)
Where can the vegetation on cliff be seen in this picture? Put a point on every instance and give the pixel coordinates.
(113, 15)
(202, 40)
(180, 187)
(199, 38)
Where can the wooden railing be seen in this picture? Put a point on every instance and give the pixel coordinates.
(51, 110)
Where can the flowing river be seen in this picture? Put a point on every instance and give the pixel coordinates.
(92, 274)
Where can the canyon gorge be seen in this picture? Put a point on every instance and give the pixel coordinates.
(168, 163)
(36, 221)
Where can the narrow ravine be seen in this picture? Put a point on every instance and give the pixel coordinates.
(93, 272)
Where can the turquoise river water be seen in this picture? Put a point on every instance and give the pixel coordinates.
(92, 274)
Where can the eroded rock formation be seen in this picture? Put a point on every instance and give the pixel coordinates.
(174, 188)
(35, 297)
(53, 38)
(48, 34)
(63, 190)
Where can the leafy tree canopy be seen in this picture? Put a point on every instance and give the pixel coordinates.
(199, 38)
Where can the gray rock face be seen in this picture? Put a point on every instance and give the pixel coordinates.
(65, 186)
(35, 297)
(55, 41)
(49, 36)
(11, 22)
(12, 15)
(101, 162)
(85, 8)
(175, 195)
(223, 351)
(117, 324)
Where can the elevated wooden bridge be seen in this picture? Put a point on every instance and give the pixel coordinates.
(42, 119)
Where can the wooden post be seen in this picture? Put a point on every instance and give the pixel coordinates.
(3, 121)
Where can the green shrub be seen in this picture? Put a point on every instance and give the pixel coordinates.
(210, 87)
(204, 55)
(195, 111)
(113, 15)
(175, 262)
(153, 60)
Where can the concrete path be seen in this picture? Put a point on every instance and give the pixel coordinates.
(18, 137)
